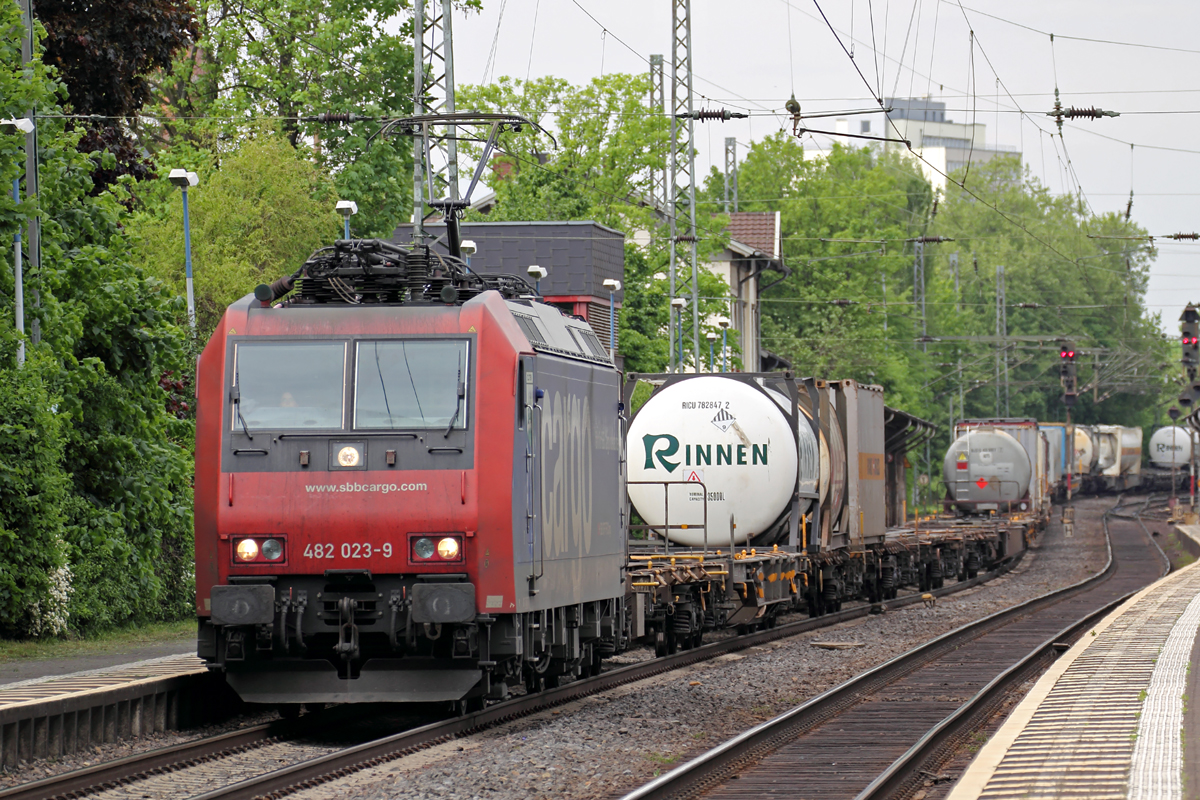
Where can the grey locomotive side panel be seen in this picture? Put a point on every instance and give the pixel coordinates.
(578, 550)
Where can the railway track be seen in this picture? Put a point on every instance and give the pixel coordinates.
(885, 732)
(314, 759)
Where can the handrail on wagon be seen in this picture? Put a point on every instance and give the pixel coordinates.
(664, 529)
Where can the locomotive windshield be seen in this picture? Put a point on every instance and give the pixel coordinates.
(406, 384)
(290, 385)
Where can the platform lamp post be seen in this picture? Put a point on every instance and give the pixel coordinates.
(613, 285)
(468, 248)
(537, 273)
(712, 359)
(723, 324)
(23, 125)
(347, 208)
(678, 304)
(185, 180)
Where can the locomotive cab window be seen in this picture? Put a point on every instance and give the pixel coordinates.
(289, 385)
(403, 384)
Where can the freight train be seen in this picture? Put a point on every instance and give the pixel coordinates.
(1002, 465)
(415, 483)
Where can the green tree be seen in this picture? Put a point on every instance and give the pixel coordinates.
(607, 146)
(88, 444)
(256, 218)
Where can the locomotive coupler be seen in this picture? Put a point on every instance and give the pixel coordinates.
(398, 605)
(347, 646)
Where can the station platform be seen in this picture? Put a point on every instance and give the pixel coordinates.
(1111, 717)
(56, 715)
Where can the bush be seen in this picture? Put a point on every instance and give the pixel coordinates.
(34, 576)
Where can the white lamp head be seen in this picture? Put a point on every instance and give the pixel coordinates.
(722, 322)
(347, 208)
(183, 179)
(536, 272)
(710, 336)
(21, 124)
(679, 303)
(612, 284)
(468, 248)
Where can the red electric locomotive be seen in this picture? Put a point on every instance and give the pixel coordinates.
(408, 486)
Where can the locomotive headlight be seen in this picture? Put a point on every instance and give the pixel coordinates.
(247, 550)
(423, 548)
(348, 456)
(272, 549)
(448, 548)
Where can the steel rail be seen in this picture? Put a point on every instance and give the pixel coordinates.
(80, 783)
(892, 781)
(127, 770)
(314, 772)
(166, 759)
(709, 767)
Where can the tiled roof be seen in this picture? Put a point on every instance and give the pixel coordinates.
(754, 228)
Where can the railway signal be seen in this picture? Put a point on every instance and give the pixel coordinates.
(1067, 373)
(1190, 340)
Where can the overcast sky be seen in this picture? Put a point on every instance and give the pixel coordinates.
(752, 54)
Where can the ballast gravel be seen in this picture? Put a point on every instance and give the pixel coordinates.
(608, 744)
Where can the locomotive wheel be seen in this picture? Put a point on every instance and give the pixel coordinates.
(660, 645)
(697, 639)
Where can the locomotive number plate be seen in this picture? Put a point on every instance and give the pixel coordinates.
(348, 550)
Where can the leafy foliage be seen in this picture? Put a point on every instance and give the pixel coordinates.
(104, 53)
(607, 145)
(96, 501)
(253, 220)
(847, 310)
(289, 60)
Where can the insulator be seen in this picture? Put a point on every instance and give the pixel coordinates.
(1180, 237)
(337, 117)
(841, 302)
(719, 114)
(1087, 113)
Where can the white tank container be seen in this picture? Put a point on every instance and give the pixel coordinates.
(732, 438)
(1171, 447)
(985, 468)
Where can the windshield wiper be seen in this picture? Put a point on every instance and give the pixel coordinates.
(235, 394)
(462, 392)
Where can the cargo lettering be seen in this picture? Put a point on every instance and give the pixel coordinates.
(671, 449)
(663, 445)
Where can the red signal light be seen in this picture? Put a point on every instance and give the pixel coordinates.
(1070, 354)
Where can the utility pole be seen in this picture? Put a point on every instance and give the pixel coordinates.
(731, 177)
(957, 293)
(681, 107)
(658, 105)
(433, 93)
(919, 288)
(32, 183)
(1002, 334)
